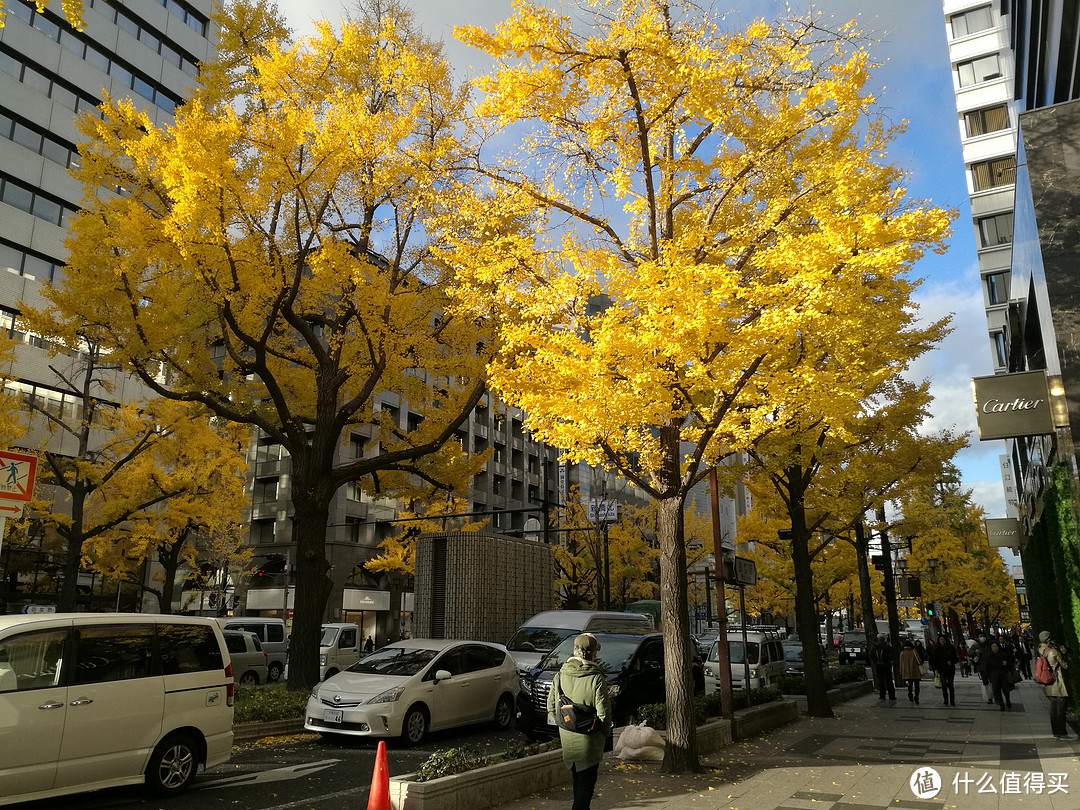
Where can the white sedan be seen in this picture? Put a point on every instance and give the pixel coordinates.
(411, 687)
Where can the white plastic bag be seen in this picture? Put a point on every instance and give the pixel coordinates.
(641, 744)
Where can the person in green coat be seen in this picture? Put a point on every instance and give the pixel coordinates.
(582, 680)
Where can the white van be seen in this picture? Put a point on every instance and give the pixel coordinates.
(339, 648)
(764, 653)
(272, 636)
(545, 631)
(97, 700)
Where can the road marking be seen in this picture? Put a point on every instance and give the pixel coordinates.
(275, 775)
(310, 800)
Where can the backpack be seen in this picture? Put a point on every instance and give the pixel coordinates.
(1043, 674)
(573, 716)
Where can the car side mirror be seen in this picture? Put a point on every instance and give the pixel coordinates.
(442, 675)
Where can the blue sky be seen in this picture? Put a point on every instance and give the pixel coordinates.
(914, 84)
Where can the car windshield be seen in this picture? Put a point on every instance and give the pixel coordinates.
(394, 661)
(537, 639)
(329, 637)
(614, 654)
(793, 652)
(735, 649)
(854, 638)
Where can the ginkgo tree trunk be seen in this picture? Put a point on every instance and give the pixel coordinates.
(711, 213)
(270, 256)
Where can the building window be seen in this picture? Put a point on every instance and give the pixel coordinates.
(993, 173)
(971, 22)
(996, 230)
(262, 531)
(353, 529)
(265, 491)
(992, 119)
(978, 70)
(1000, 355)
(997, 291)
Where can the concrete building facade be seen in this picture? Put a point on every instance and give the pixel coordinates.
(145, 50)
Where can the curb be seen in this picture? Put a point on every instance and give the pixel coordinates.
(245, 732)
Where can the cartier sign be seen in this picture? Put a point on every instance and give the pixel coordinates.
(1010, 405)
(1003, 532)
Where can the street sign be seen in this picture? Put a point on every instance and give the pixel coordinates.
(17, 471)
(603, 512)
(745, 571)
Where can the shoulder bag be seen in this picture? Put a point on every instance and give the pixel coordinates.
(572, 716)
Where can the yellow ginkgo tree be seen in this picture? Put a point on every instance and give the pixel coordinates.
(710, 215)
(270, 256)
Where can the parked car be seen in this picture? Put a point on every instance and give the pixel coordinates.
(249, 660)
(339, 648)
(705, 641)
(633, 663)
(764, 654)
(853, 648)
(793, 657)
(411, 687)
(545, 631)
(272, 636)
(98, 700)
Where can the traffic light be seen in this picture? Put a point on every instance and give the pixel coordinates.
(930, 611)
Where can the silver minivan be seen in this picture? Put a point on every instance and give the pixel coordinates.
(98, 700)
(272, 637)
(545, 631)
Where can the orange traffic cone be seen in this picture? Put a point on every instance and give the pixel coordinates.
(379, 795)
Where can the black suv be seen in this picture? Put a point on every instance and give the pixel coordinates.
(633, 664)
(853, 648)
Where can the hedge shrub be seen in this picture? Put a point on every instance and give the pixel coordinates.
(272, 701)
(707, 706)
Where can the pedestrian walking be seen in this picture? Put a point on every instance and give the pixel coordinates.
(978, 653)
(943, 660)
(581, 680)
(999, 667)
(1023, 654)
(911, 670)
(962, 657)
(369, 645)
(1058, 695)
(881, 658)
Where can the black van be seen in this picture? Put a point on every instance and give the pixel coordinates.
(633, 663)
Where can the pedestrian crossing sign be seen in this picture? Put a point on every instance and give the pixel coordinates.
(17, 472)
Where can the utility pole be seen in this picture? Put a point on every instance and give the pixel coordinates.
(890, 590)
(723, 653)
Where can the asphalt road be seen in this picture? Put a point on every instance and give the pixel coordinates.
(297, 771)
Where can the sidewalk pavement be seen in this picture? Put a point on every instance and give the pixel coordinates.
(871, 755)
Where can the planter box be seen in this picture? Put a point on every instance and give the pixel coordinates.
(839, 694)
(506, 781)
(483, 787)
(751, 722)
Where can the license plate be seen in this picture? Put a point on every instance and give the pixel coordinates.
(332, 715)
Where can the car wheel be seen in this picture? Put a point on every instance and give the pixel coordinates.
(504, 712)
(414, 726)
(274, 671)
(249, 679)
(330, 673)
(173, 765)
